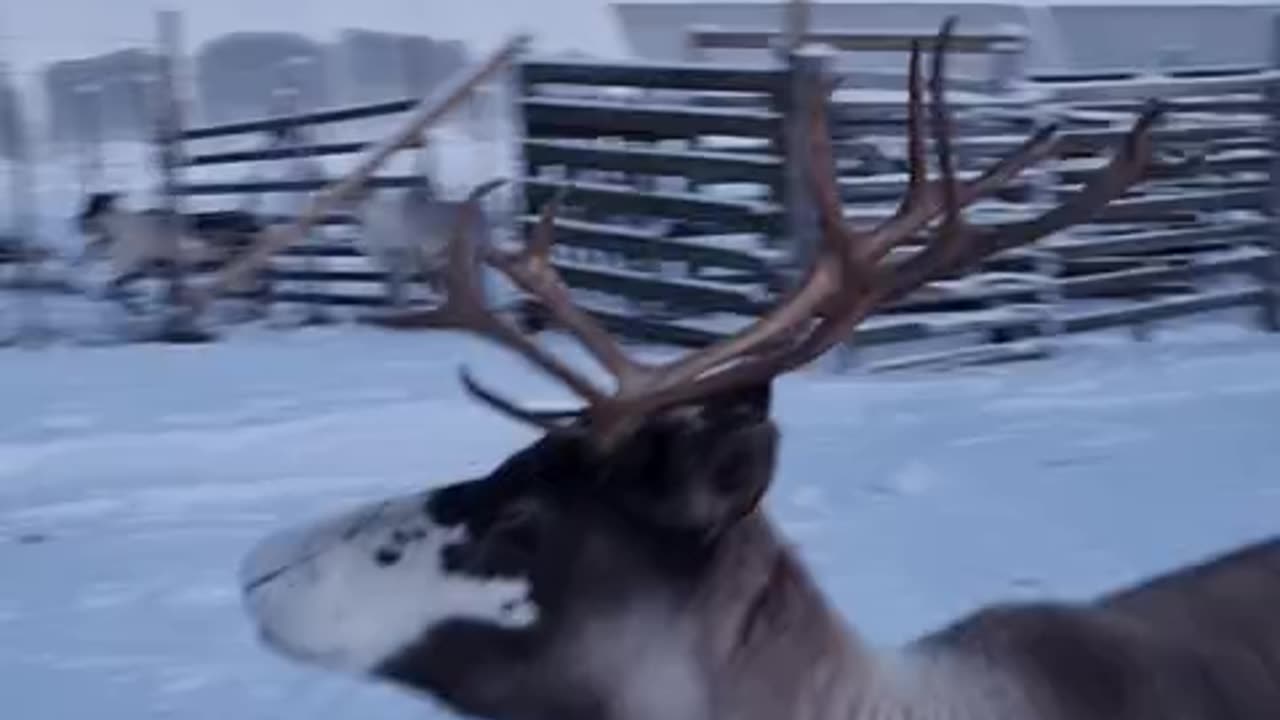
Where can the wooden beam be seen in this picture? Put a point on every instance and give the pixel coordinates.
(703, 166)
(713, 38)
(640, 244)
(707, 77)
(278, 153)
(286, 186)
(1139, 278)
(1144, 207)
(588, 118)
(1163, 239)
(697, 295)
(319, 117)
(1160, 310)
(600, 198)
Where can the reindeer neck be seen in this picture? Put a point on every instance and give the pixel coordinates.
(772, 646)
(775, 649)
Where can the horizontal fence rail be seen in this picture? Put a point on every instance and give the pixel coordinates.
(685, 219)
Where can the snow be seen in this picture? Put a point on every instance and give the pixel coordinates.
(133, 480)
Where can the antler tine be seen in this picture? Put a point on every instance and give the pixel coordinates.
(947, 250)
(530, 268)
(845, 283)
(838, 284)
(926, 199)
(967, 245)
(464, 307)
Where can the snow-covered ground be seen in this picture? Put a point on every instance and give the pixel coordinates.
(133, 478)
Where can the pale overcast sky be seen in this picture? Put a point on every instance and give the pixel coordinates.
(37, 31)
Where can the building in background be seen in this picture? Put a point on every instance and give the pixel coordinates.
(1064, 36)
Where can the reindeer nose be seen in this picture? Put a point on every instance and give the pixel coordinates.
(292, 547)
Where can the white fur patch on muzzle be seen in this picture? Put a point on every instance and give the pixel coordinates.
(352, 591)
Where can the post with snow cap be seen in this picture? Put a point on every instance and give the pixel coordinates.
(798, 19)
(15, 142)
(180, 325)
(289, 96)
(1008, 58)
(1269, 268)
(808, 71)
(89, 135)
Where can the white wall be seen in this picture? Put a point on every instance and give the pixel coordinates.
(1064, 36)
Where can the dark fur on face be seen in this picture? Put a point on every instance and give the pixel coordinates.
(595, 535)
(95, 206)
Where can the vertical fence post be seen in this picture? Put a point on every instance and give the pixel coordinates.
(807, 73)
(518, 203)
(1009, 59)
(808, 69)
(301, 167)
(179, 326)
(89, 138)
(1009, 77)
(1269, 268)
(799, 14)
(32, 330)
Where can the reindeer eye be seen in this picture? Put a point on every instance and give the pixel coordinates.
(518, 523)
(513, 539)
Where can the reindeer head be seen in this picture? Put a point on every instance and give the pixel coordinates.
(527, 592)
(96, 206)
(557, 585)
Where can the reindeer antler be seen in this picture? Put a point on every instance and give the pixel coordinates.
(848, 280)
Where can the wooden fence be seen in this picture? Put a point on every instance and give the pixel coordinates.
(689, 214)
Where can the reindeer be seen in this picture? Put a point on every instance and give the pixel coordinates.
(144, 243)
(621, 567)
(407, 230)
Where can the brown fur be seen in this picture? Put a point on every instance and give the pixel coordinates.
(1200, 643)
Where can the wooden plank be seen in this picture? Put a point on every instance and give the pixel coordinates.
(1159, 240)
(287, 186)
(277, 153)
(641, 244)
(986, 354)
(1080, 170)
(702, 76)
(942, 299)
(598, 197)
(713, 38)
(1160, 87)
(1140, 278)
(1163, 309)
(1114, 74)
(326, 220)
(326, 250)
(1077, 141)
(337, 299)
(699, 295)
(1193, 201)
(576, 118)
(1237, 105)
(319, 117)
(707, 167)
(334, 276)
(649, 330)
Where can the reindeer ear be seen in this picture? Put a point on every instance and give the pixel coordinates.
(741, 406)
(700, 470)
